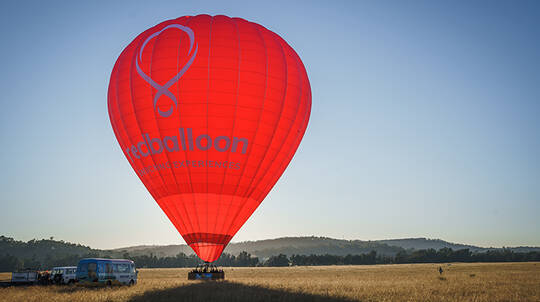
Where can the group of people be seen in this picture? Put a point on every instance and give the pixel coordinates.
(206, 271)
(207, 268)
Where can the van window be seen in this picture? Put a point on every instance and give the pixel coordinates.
(123, 268)
(92, 267)
(83, 267)
(108, 268)
(92, 270)
(132, 268)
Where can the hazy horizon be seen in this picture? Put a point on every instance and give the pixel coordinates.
(425, 122)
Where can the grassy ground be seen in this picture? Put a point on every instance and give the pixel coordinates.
(404, 282)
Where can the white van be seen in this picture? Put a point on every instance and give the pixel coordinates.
(64, 274)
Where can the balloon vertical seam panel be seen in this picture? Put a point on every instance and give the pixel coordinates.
(209, 111)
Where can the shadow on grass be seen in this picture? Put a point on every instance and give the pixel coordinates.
(229, 291)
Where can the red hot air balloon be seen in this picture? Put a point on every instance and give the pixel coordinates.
(209, 111)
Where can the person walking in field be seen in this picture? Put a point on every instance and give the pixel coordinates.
(440, 270)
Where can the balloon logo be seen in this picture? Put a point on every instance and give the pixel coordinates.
(239, 102)
(164, 90)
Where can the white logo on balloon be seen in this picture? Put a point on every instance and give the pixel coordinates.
(164, 89)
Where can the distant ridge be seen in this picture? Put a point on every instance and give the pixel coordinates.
(41, 249)
(270, 247)
(437, 244)
(319, 246)
(425, 243)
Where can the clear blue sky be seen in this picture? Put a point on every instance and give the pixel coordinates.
(425, 122)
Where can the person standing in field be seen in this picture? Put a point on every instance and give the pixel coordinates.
(440, 270)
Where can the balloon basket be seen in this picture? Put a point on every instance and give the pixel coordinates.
(207, 272)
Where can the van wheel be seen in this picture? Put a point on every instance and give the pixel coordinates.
(109, 283)
(131, 283)
(70, 282)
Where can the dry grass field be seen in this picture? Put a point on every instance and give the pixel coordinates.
(479, 282)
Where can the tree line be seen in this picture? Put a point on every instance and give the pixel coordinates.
(244, 259)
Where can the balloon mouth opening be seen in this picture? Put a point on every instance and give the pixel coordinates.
(208, 252)
(207, 246)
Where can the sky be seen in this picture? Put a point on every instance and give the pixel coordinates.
(424, 123)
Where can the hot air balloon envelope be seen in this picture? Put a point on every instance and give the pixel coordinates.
(209, 111)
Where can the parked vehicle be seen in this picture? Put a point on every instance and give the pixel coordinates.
(25, 277)
(30, 277)
(64, 275)
(106, 271)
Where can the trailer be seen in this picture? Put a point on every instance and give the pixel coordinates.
(28, 277)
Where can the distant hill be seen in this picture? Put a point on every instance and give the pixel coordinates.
(310, 245)
(424, 244)
(270, 247)
(157, 250)
(318, 246)
(437, 244)
(42, 249)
